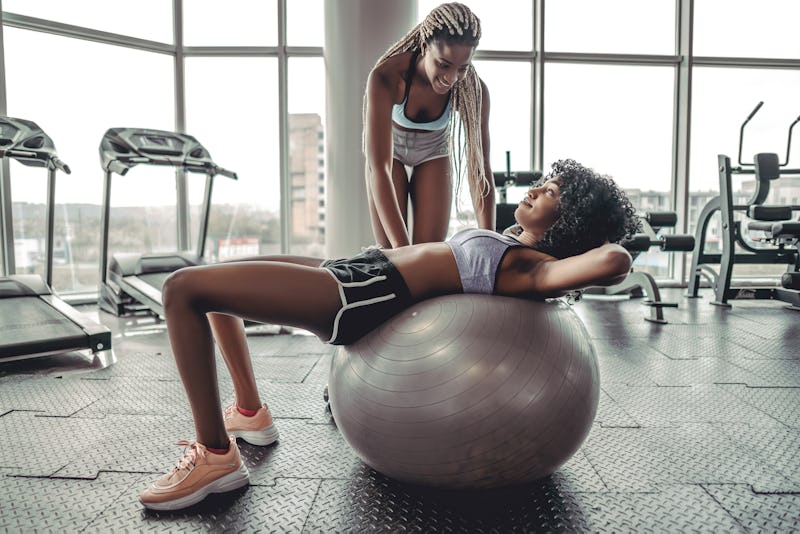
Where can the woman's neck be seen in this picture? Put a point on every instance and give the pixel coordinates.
(525, 237)
(528, 239)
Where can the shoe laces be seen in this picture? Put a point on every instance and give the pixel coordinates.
(191, 454)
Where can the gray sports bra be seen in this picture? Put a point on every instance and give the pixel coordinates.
(478, 254)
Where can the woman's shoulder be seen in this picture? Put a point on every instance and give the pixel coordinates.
(389, 77)
(393, 67)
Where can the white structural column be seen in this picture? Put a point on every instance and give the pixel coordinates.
(357, 32)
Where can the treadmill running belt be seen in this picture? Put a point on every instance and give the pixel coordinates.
(28, 325)
(155, 279)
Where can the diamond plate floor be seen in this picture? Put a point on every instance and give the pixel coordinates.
(697, 430)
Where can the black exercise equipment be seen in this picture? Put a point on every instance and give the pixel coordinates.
(638, 283)
(778, 243)
(34, 321)
(782, 234)
(130, 282)
(503, 181)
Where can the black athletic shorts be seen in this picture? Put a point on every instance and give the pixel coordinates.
(372, 290)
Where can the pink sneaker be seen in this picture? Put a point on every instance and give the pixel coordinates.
(256, 430)
(197, 474)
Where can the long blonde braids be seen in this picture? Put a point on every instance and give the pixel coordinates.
(455, 23)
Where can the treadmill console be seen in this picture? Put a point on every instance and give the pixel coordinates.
(25, 142)
(123, 148)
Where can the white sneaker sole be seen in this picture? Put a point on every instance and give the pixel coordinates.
(266, 436)
(230, 482)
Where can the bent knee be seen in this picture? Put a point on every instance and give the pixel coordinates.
(180, 286)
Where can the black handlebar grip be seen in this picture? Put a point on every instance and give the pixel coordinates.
(677, 243)
(516, 178)
(500, 178)
(662, 219)
(637, 243)
(527, 177)
(755, 110)
(790, 280)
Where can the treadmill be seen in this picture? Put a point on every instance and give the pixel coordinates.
(34, 321)
(130, 283)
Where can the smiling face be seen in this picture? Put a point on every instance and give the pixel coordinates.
(591, 209)
(539, 210)
(445, 64)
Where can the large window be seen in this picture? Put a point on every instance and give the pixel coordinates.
(143, 216)
(145, 19)
(619, 117)
(232, 23)
(306, 216)
(722, 100)
(509, 85)
(611, 26)
(305, 23)
(232, 109)
(609, 99)
(50, 82)
(618, 121)
(615, 119)
(232, 106)
(743, 28)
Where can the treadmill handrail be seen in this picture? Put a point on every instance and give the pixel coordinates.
(213, 169)
(122, 165)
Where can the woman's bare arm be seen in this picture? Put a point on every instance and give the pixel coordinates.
(603, 266)
(379, 155)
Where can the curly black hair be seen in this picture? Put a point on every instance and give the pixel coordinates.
(592, 210)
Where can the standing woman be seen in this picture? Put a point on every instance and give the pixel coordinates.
(424, 105)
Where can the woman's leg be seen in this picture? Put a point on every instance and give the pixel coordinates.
(229, 334)
(431, 198)
(400, 182)
(269, 292)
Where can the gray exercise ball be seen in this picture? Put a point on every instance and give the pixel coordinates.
(468, 391)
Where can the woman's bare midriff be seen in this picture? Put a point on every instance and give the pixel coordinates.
(439, 272)
(429, 269)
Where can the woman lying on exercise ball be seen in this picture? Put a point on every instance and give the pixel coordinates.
(565, 238)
